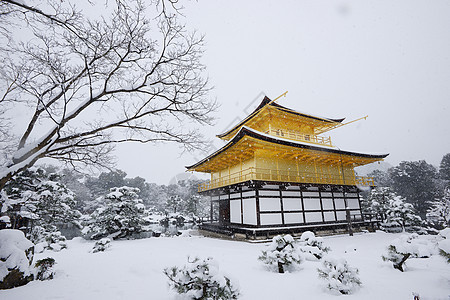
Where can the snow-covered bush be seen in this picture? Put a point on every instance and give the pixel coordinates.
(44, 269)
(339, 275)
(121, 217)
(101, 245)
(47, 240)
(201, 279)
(281, 252)
(16, 256)
(407, 246)
(444, 245)
(312, 246)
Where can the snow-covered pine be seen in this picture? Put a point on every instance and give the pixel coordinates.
(402, 213)
(44, 268)
(312, 246)
(281, 252)
(439, 213)
(339, 275)
(200, 279)
(121, 217)
(406, 246)
(101, 245)
(37, 194)
(378, 201)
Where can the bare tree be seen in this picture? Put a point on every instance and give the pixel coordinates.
(87, 84)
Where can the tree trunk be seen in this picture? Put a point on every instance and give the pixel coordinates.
(399, 266)
(280, 268)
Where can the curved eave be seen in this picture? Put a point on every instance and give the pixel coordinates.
(265, 102)
(245, 131)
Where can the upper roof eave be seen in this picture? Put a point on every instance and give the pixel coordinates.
(265, 102)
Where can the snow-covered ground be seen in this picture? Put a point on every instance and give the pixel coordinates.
(134, 270)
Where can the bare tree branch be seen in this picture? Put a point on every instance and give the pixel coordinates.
(93, 83)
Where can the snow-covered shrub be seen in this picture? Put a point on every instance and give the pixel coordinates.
(121, 217)
(281, 252)
(407, 246)
(339, 275)
(47, 239)
(312, 246)
(16, 255)
(101, 245)
(201, 279)
(444, 245)
(44, 269)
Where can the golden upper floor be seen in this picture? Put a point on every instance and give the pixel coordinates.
(274, 119)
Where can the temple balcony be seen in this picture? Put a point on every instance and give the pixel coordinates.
(302, 137)
(284, 176)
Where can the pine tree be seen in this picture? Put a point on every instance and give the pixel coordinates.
(402, 213)
(378, 201)
(439, 213)
(416, 182)
(201, 280)
(339, 275)
(121, 217)
(39, 195)
(281, 252)
(312, 245)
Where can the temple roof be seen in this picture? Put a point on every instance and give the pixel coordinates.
(240, 145)
(324, 123)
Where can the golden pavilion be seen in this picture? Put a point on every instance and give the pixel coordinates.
(278, 173)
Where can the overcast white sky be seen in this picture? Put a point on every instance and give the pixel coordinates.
(386, 59)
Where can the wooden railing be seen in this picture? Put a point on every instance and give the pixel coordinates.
(284, 176)
(298, 136)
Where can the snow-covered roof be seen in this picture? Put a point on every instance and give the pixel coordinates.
(327, 122)
(246, 131)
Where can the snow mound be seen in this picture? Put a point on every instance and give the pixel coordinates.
(14, 252)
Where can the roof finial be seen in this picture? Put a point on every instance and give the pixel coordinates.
(284, 94)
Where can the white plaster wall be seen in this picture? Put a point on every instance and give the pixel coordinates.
(292, 204)
(291, 218)
(235, 211)
(329, 216)
(341, 216)
(313, 217)
(249, 207)
(267, 204)
(340, 204)
(311, 204)
(353, 203)
(270, 219)
(327, 204)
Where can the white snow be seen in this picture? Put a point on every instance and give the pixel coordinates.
(12, 252)
(133, 269)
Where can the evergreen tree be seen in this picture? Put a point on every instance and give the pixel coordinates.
(439, 213)
(201, 280)
(40, 196)
(281, 252)
(415, 181)
(312, 246)
(339, 275)
(378, 201)
(121, 217)
(402, 213)
(444, 168)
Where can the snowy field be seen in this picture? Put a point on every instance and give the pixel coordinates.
(134, 270)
